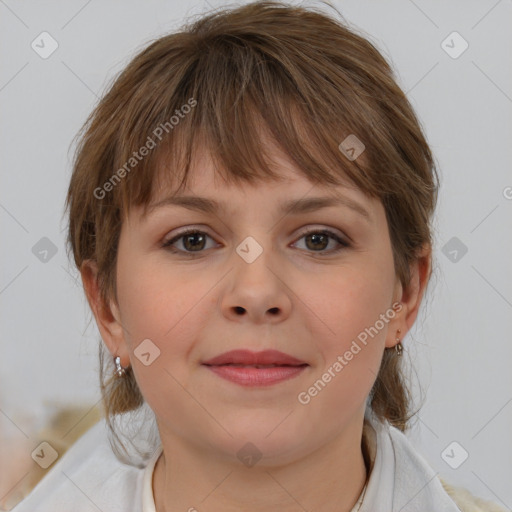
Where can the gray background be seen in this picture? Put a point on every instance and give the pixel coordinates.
(461, 346)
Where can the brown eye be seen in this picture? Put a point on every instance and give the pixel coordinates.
(319, 240)
(194, 241)
(190, 241)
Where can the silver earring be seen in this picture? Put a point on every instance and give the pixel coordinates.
(120, 371)
(398, 346)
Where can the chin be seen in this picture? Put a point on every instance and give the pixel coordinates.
(266, 442)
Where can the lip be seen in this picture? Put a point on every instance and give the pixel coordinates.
(248, 368)
(247, 357)
(249, 376)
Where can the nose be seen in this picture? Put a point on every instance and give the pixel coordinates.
(256, 290)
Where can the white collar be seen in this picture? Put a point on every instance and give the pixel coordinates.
(148, 499)
(400, 479)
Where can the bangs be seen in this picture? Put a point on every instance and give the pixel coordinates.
(237, 103)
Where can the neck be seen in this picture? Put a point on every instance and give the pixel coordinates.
(329, 479)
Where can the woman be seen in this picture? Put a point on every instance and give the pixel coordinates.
(250, 212)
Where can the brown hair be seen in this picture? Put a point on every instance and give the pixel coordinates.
(224, 81)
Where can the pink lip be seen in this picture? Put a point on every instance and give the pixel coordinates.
(244, 367)
(250, 376)
(247, 357)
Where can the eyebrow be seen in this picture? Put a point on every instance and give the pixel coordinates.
(291, 207)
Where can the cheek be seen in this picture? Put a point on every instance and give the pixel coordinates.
(165, 307)
(153, 299)
(154, 305)
(350, 342)
(347, 303)
(350, 324)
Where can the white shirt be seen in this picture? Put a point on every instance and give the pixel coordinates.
(89, 478)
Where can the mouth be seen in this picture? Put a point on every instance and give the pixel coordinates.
(265, 358)
(256, 369)
(238, 365)
(254, 376)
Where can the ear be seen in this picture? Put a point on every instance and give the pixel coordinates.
(412, 295)
(107, 315)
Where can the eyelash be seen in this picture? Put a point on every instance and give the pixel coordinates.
(343, 244)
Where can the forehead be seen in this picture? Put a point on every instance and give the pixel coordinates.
(195, 164)
(207, 175)
(290, 193)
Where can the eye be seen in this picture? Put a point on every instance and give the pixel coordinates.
(317, 240)
(194, 241)
(191, 240)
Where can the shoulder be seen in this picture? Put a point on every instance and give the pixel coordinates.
(87, 477)
(467, 502)
(412, 471)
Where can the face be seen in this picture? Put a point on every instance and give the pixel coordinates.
(305, 282)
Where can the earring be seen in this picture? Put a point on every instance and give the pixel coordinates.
(398, 346)
(120, 371)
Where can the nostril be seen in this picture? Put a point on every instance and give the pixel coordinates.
(239, 309)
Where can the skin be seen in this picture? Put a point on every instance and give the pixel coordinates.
(291, 298)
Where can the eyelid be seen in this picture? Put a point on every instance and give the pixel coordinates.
(186, 231)
(302, 232)
(344, 241)
(323, 229)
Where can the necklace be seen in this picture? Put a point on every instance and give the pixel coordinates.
(367, 463)
(361, 499)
